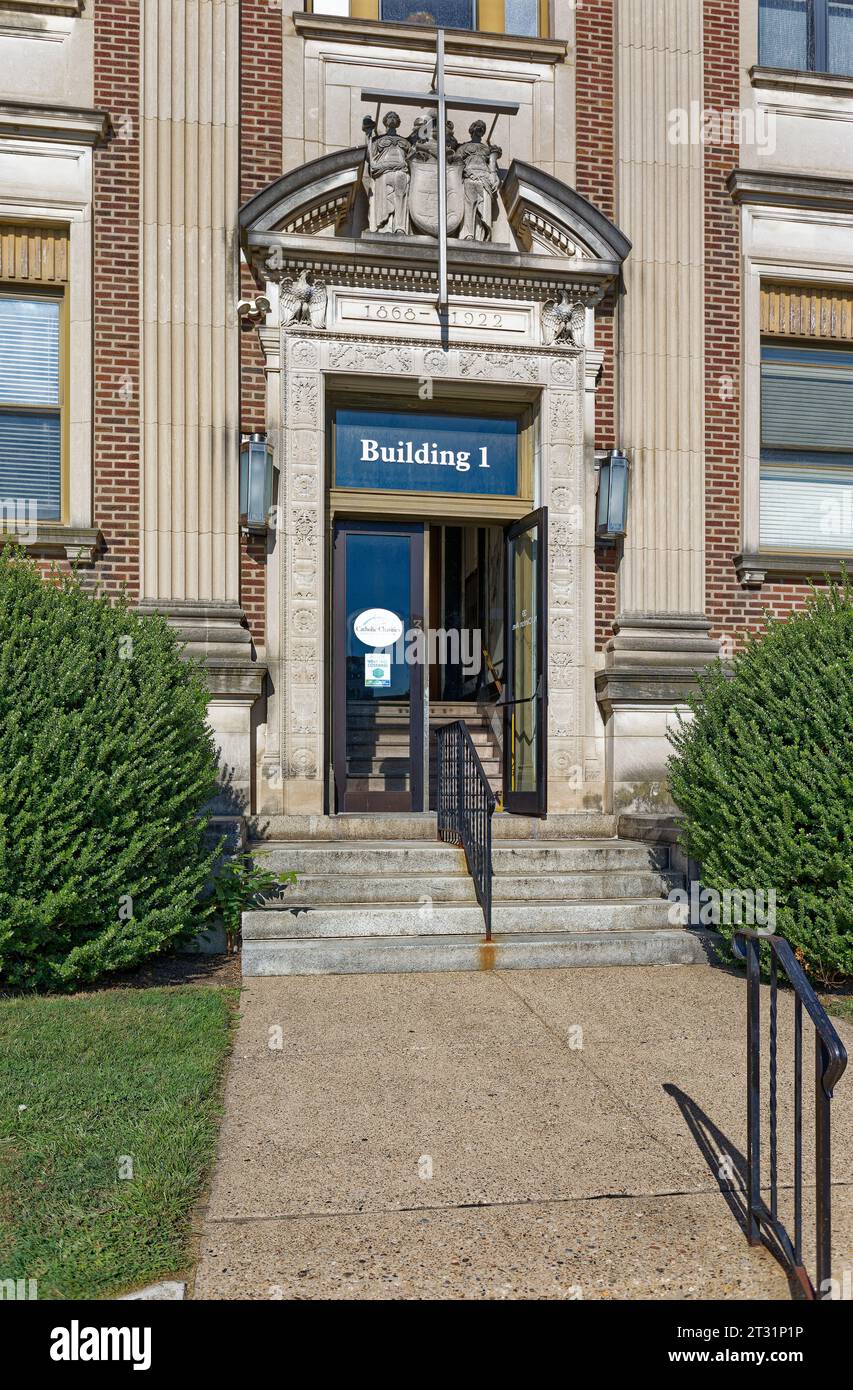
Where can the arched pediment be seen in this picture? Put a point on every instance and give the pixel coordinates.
(546, 213)
(308, 200)
(317, 215)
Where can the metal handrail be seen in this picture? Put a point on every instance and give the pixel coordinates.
(830, 1062)
(466, 804)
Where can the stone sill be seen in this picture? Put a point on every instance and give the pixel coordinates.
(46, 7)
(60, 542)
(803, 83)
(753, 569)
(41, 121)
(379, 33)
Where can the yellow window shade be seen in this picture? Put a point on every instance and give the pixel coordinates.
(821, 312)
(33, 255)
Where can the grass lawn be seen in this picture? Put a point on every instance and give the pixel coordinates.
(105, 1077)
(839, 1006)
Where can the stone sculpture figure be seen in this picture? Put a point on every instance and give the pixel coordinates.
(402, 179)
(563, 321)
(304, 300)
(423, 199)
(388, 166)
(480, 182)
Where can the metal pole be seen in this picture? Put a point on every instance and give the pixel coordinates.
(441, 138)
(823, 1173)
(753, 1112)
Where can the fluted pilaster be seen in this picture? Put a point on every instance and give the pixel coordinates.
(190, 390)
(660, 207)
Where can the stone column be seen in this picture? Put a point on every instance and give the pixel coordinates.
(661, 634)
(190, 86)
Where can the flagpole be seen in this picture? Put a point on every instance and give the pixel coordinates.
(441, 139)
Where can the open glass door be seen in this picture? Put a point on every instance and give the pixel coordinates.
(526, 695)
(378, 708)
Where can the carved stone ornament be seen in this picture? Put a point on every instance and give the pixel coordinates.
(402, 179)
(303, 300)
(562, 321)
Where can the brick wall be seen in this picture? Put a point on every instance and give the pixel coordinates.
(596, 174)
(732, 609)
(260, 164)
(116, 296)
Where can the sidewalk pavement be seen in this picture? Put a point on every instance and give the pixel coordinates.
(508, 1135)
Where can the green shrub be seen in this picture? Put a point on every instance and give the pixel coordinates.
(106, 764)
(764, 776)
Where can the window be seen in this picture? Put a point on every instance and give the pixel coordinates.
(30, 406)
(806, 493)
(807, 35)
(525, 18)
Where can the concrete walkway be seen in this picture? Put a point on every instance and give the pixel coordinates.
(528, 1134)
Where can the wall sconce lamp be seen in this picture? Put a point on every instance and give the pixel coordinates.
(612, 516)
(255, 482)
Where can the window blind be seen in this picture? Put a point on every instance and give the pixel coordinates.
(30, 419)
(783, 33)
(30, 453)
(839, 36)
(806, 403)
(29, 351)
(806, 507)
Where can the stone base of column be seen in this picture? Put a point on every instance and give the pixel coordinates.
(215, 634)
(651, 666)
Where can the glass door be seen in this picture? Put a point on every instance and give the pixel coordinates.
(526, 697)
(378, 706)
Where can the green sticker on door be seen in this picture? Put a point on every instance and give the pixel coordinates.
(377, 670)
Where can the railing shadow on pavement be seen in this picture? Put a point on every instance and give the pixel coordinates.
(719, 1152)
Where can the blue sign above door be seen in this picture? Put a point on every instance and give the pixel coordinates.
(406, 451)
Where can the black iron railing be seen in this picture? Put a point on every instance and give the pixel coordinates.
(830, 1059)
(466, 803)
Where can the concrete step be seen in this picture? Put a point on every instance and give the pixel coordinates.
(380, 782)
(519, 859)
(362, 858)
(400, 759)
(568, 856)
(470, 952)
(585, 885)
(451, 919)
(591, 826)
(397, 740)
(380, 771)
(321, 890)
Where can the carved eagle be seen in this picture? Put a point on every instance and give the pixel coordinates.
(562, 321)
(303, 300)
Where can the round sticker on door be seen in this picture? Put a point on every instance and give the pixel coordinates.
(378, 627)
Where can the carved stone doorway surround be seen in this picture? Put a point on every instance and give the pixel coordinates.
(342, 303)
(293, 777)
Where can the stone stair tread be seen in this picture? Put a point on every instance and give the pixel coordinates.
(472, 952)
(580, 842)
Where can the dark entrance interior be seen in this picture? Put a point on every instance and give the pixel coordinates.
(466, 669)
(465, 600)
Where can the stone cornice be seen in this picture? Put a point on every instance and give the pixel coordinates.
(790, 189)
(410, 263)
(383, 34)
(68, 124)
